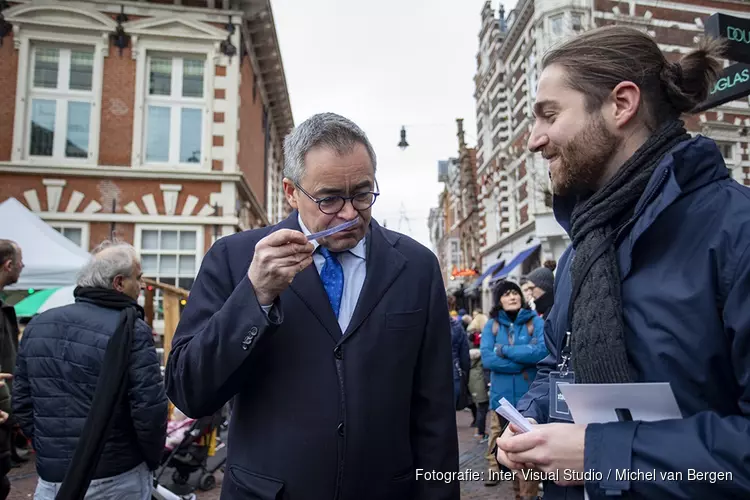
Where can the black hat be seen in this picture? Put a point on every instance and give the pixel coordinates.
(505, 285)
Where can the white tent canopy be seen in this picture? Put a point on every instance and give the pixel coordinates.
(50, 259)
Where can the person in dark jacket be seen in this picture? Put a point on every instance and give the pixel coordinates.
(660, 261)
(11, 265)
(335, 352)
(461, 364)
(540, 283)
(59, 363)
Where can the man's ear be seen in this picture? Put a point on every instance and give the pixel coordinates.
(290, 192)
(117, 283)
(626, 102)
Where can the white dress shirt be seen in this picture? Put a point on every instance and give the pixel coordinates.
(355, 270)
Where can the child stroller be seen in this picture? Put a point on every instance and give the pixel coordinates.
(201, 441)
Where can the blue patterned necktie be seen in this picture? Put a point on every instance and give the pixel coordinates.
(332, 275)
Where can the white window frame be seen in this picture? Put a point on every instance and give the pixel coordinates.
(83, 226)
(29, 38)
(147, 48)
(176, 103)
(61, 95)
(199, 248)
(573, 16)
(729, 160)
(552, 20)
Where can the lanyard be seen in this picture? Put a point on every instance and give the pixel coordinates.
(603, 247)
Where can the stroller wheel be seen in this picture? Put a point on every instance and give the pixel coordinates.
(179, 478)
(207, 482)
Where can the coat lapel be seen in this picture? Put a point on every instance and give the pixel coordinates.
(384, 264)
(309, 289)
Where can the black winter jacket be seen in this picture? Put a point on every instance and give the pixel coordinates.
(58, 365)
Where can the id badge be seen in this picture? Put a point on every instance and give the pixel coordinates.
(558, 408)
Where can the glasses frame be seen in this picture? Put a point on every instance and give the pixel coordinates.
(350, 199)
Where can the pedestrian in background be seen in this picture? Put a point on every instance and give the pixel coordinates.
(11, 266)
(60, 366)
(461, 365)
(512, 344)
(541, 282)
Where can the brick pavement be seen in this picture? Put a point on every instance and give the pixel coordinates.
(471, 456)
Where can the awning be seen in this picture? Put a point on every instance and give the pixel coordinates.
(518, 259)
(494, 267)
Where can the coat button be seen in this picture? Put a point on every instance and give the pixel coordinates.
(254, 331)
(246, 342)
(337, 352)
(340, 429)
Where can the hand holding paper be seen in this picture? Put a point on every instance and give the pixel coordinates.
(509, 412)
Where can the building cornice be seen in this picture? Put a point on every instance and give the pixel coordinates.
(259, 32)
(148, 9)
(160, 174)
(23, 168)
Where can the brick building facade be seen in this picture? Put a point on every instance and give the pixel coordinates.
(172, 139)
(514, 197)
(454, 224)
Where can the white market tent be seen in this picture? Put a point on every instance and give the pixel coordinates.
(50, 259)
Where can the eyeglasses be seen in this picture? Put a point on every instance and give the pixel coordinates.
(331, 205)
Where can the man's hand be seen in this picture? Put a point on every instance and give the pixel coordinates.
(3, 417)
(4, 377)
(278, 258)
(502, 457)
(548, 447)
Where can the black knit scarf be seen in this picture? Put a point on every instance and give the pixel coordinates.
(598, 336)
(111, 389)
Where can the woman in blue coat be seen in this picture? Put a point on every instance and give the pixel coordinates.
(512, 344)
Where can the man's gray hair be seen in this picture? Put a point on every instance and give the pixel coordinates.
(119, 259)
(324, 129)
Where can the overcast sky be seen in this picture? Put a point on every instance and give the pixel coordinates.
(386, 64)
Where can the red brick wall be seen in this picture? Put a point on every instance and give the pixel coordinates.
(118, 101)
(99, 231)
(251, 134)
(524, 214)
(8, 75)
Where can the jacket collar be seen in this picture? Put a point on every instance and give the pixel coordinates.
(524, 315)
(384, 264)
(688, 166)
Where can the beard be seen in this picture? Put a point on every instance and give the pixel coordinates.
(582, 161)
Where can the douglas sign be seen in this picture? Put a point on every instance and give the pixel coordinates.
(734, 81)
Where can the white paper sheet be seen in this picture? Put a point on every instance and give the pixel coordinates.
(596, 403)
(510, 413)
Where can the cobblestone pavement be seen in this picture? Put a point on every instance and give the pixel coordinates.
(471, 456)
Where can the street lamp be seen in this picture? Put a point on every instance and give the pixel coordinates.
(403, 144)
